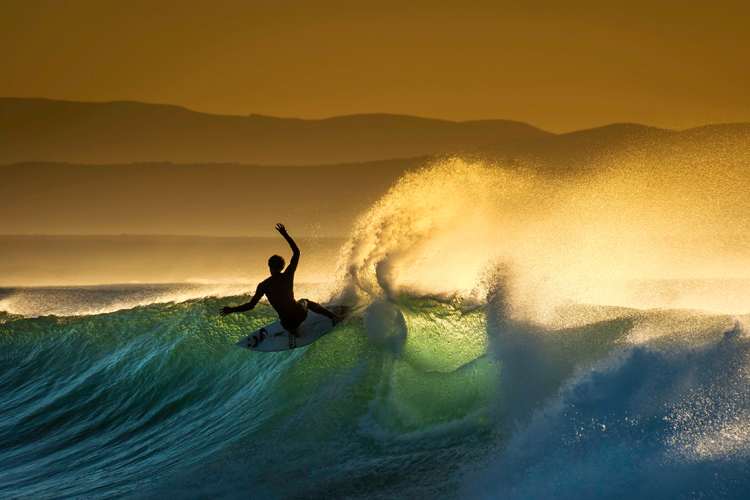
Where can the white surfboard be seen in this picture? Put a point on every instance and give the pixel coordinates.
(273, 337)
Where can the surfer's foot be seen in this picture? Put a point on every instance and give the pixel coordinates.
(336, 319)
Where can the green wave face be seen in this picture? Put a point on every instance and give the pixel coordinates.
(442, 373)
(147, 392)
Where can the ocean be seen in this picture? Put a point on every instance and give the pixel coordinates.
(514, 339)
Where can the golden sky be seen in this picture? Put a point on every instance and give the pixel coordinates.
(559, 65)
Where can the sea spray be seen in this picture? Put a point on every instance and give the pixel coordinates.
(436, 229)
(646, 421)
(594, 237)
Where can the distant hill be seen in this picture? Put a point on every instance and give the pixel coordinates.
(130, 132)
(208, 199)
(584, 151)
(324, 200)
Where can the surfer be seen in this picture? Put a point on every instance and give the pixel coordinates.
(279, 288)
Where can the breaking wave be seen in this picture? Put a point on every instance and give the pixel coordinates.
(521, 336)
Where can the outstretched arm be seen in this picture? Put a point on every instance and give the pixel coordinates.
(244, 307)
(295, 250)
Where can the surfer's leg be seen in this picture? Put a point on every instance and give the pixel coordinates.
(317, 308)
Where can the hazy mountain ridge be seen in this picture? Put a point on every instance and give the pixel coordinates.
(221, 199)
(125, 132)
(601, 148)
(129, 132)
(230, 198)
(167, 198)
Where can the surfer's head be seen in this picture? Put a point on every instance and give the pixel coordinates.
(276, 264)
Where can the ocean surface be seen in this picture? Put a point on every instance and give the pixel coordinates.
(413, 399)
(529, 348)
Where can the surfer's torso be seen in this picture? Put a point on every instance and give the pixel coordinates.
(279, 289)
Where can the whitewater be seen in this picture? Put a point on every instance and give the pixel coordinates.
(519, 336)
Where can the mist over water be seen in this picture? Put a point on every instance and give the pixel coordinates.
(677, 230)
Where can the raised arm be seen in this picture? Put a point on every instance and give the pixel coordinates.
(245, 307)
(295, 249)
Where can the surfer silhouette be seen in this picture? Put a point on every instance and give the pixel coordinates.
(279, 288)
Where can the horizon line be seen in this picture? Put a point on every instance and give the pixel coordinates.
(141, 235)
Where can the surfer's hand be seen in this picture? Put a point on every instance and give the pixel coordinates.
(280, 228)
(226, 310)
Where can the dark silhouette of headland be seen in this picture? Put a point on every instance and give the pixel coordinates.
(130, 132)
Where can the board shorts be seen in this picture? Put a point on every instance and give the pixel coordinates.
(292, 323)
